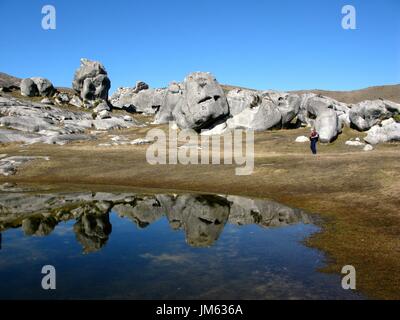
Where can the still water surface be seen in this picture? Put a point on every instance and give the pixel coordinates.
(159, 246)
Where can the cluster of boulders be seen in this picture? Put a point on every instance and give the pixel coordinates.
(201, 217)
(200, 103)
(90, 89)
(31, 122)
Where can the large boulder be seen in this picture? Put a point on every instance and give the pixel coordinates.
(311, 105)
(173, 97)
(389, 131)
(44, 86)
(29, 88)
(327, 125)
(123, 97)
(240, 99)
(204, 102)
(260, 118)
(91, 80)
(289, 107)
(366, 114)
(149, 101)
(37, 86)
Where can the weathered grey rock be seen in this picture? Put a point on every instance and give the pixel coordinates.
(42, 123)
(122, 98)
(217, 130)
(302, 139)
(289, 107)
(149, 101)
(327, 125)
(9, 165)
(260, 118)
(173, 97)
(27, 123)
(204, 102)
(366, 114)
(381, 134)
(91, 80)
(44, 86)
(140, 85)
(76, 101)
(29, 88)
(354, 143)
(103, 114)
(46, 101)
(368, 147)
(241, 99)
(96, 88)
(62, 98)
(311, 105)
(102, 106)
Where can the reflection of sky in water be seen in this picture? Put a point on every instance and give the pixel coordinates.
(246, 262)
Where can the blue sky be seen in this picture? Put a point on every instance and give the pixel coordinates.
(276, 44)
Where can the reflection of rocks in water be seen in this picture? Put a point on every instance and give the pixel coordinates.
(202, 217)
(39, 226)
(143, 211)
(92, 231)
(264, 213)
(0, 240)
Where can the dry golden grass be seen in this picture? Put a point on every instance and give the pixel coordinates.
(355, 192)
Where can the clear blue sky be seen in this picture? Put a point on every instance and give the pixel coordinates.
(276, 44)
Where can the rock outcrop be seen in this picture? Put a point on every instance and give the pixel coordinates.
(241, 99)
(259, 118)
(386, 132)
(91, 81)
(173, 97)
(204, 102)
(37, 86)
(327, 125)
(30, 122)
(367, 114)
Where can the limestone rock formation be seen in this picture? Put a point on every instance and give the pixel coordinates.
(37, 86)
(173, 97)
(241, 99)
(327, 125)
(91, 80)
(366, 114)
(389, 131)
(31, 122)
(204, 102)
(260, 118)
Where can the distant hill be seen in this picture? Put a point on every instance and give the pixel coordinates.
(7, 81)
(388, 92)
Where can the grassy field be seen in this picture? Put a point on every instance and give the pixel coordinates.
(355, 192)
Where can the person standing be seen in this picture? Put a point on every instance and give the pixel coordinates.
(314, 139)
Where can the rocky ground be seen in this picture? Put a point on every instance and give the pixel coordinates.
(82, 139)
